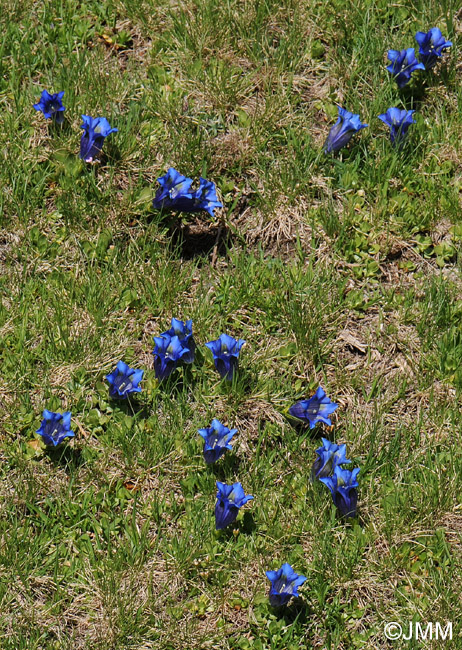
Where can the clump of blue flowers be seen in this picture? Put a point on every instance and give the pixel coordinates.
(124, 380)
(343, 130)
(313, 410)
(55, 428)
(402, 64)
(216, 440)
(342, 485)
(96, 130)
(431, 46)
(329, 457)
(225, 352)
(168, 352)
(229, 499)
(183, 330)
(205, 197)
(175, 194)
(284, 584)
(399, 122)
(51, 106)
(174, 191)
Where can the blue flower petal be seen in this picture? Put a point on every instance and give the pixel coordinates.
(96, 129)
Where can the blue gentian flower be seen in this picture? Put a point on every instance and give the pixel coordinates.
(55, 427)
(316, 409)
(168, 352)
(229, 499)
(284, 584)
(343, 130)
(225, 352)
(431, 46)
(330, 456)
(184, 332)
(343, 486)
(205, 197)
(399, 121)
(51, 106)
(96, 129)
(403, 64)
(124, 380)
(216, 440)
(174, 191)
(175, 194)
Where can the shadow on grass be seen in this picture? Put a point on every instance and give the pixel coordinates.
(241, 385)
(246, 526)
(249, 524)
(176, 383)
(303, 429)
(64, 128)
(184, 377)
(413, 96)
(110, 154)
(227, 465)
(297, 611)
(69, 458)
(199, 239)
(443, 74)
(131, 407)
(245, 379)
(193, 236)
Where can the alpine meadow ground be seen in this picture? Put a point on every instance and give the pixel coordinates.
(339, 270)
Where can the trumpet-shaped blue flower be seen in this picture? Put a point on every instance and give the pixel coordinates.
(343, 486)
(175, 193)
(284, 584)
(96, 129)
(399, 121)
(124, 380)
(403, 64)
(168, 352)
(431, 46)
(343, 130)
(184, 332)
(216, 440)
(229, 499)
(225, 352)
(51, 106)
(330, 456)
(55, 428)
(205, 197)
(316, 409)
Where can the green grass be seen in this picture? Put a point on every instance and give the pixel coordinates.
(340, 271)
